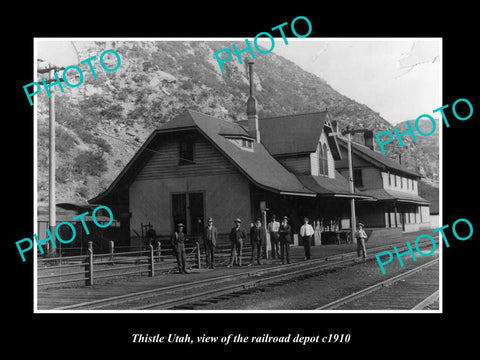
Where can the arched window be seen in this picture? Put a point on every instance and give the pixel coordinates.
(325, 159)
(322, 159)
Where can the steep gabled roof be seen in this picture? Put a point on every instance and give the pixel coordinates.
(295, 134)
(292, 133)
(257, 165)
(376, 158)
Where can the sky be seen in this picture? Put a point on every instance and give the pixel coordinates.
(398, 78)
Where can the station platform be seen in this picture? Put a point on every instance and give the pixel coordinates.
(51, 298)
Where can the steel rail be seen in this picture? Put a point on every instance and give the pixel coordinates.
(189, 299)
(309, 266)
(427, 301)
(189, 285)
(377, 286)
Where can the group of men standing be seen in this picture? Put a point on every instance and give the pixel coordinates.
(280, 237)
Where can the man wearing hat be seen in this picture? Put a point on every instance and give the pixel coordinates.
(361, 236)
(237, 234)
(285, 237)
(306, 233)
(258, 237)
(178, 242)
(210, 241)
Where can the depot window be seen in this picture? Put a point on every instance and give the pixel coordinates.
(357, 177)
(186, 152)
(242, 143)
(322, 159)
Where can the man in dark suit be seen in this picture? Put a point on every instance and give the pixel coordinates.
(178, 242)
(285, 237)
(258, 237)
(237, 234)
(210, 242)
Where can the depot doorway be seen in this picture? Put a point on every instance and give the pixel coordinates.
(189, 209)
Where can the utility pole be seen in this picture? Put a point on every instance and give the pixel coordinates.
(349, 132)
(55, 56)
(352, 187)
(52, 216)
(51, 252)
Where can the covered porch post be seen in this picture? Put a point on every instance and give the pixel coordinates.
(396, 216)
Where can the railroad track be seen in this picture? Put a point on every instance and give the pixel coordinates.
(414, 289)
(195, 294)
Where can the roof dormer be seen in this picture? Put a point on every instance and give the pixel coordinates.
(243, 142)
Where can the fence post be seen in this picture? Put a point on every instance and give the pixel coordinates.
(198, 255)
(111, 246)
(152, 262)
(159, 250)
(89, 265)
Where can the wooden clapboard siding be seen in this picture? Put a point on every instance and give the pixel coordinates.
(164, 163)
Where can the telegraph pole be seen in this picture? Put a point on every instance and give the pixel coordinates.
(349, 132)
(352, 187)
(51, 252)
(54, 55)
(52, 216)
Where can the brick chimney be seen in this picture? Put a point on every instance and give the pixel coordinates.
(253, 129)
(368, 138)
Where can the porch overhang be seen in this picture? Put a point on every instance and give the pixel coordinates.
(297, 194)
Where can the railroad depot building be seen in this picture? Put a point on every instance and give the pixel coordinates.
(197, 166)
(392, 185)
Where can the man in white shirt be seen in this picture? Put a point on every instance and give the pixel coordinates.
(306, 233)
(273, 227)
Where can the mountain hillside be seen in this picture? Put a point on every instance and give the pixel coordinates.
(426, 155)
(103, 122)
